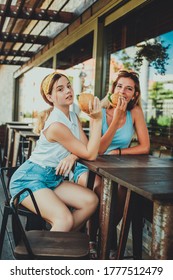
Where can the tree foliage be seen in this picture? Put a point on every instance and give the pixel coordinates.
(158, 94)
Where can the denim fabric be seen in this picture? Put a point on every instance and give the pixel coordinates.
(35, 177)
(78, 171)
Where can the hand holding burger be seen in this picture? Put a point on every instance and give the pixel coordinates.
(90, 104)
(84, 99)
(113, 99)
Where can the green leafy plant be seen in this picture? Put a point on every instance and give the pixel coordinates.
(164, 121)
(155, 53)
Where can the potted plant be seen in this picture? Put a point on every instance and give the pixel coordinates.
(155, 53)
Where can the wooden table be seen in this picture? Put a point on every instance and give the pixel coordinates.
(8, 139)
(145, 176)
(19, 138)
(125, 161)
(155, 184)
(12, 139)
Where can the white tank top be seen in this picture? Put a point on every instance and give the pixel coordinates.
(50, 154)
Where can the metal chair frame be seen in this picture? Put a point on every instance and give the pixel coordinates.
(33, 244)
(33, 221)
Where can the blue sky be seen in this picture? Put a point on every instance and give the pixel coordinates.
(168, 39)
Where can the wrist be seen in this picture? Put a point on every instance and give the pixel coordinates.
(98, 120)
(74, 157)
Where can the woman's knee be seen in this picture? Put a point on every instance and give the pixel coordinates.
(91, 200)
(63, 222)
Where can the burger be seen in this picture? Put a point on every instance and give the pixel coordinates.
(83, 101)
(113, 99)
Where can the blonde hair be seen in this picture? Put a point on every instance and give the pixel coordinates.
(41, 119)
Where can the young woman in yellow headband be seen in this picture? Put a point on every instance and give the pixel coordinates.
(61, 142)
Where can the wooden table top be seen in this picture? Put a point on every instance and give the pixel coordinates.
(152, 183)
(126, 161)
(20, 127)
(27, 134)
(18, 123)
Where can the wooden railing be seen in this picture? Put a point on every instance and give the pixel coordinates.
(161, 139)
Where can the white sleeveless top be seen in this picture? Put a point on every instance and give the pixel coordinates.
(50, 154)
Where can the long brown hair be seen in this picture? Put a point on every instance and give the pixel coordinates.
(137, 95)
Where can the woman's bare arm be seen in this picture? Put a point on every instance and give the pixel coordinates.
(58, 132)
(143, 146)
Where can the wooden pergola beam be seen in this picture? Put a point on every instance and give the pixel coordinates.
(10, 62)
(24, 38)
(37, 14)
(16, 53)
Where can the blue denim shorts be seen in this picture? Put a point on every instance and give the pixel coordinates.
(79, 170)
(35, 177)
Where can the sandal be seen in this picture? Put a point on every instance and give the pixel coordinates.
(93, 250)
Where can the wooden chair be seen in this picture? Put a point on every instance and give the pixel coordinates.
(39, 244)
(33, 221)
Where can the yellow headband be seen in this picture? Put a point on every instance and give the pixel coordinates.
(47, 81)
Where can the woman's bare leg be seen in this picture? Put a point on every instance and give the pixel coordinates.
(94, 221)
(93, 224)
(83, 200)
(52, 209)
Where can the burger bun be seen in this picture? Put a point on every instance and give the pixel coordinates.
(113, 99)
(83, 101)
